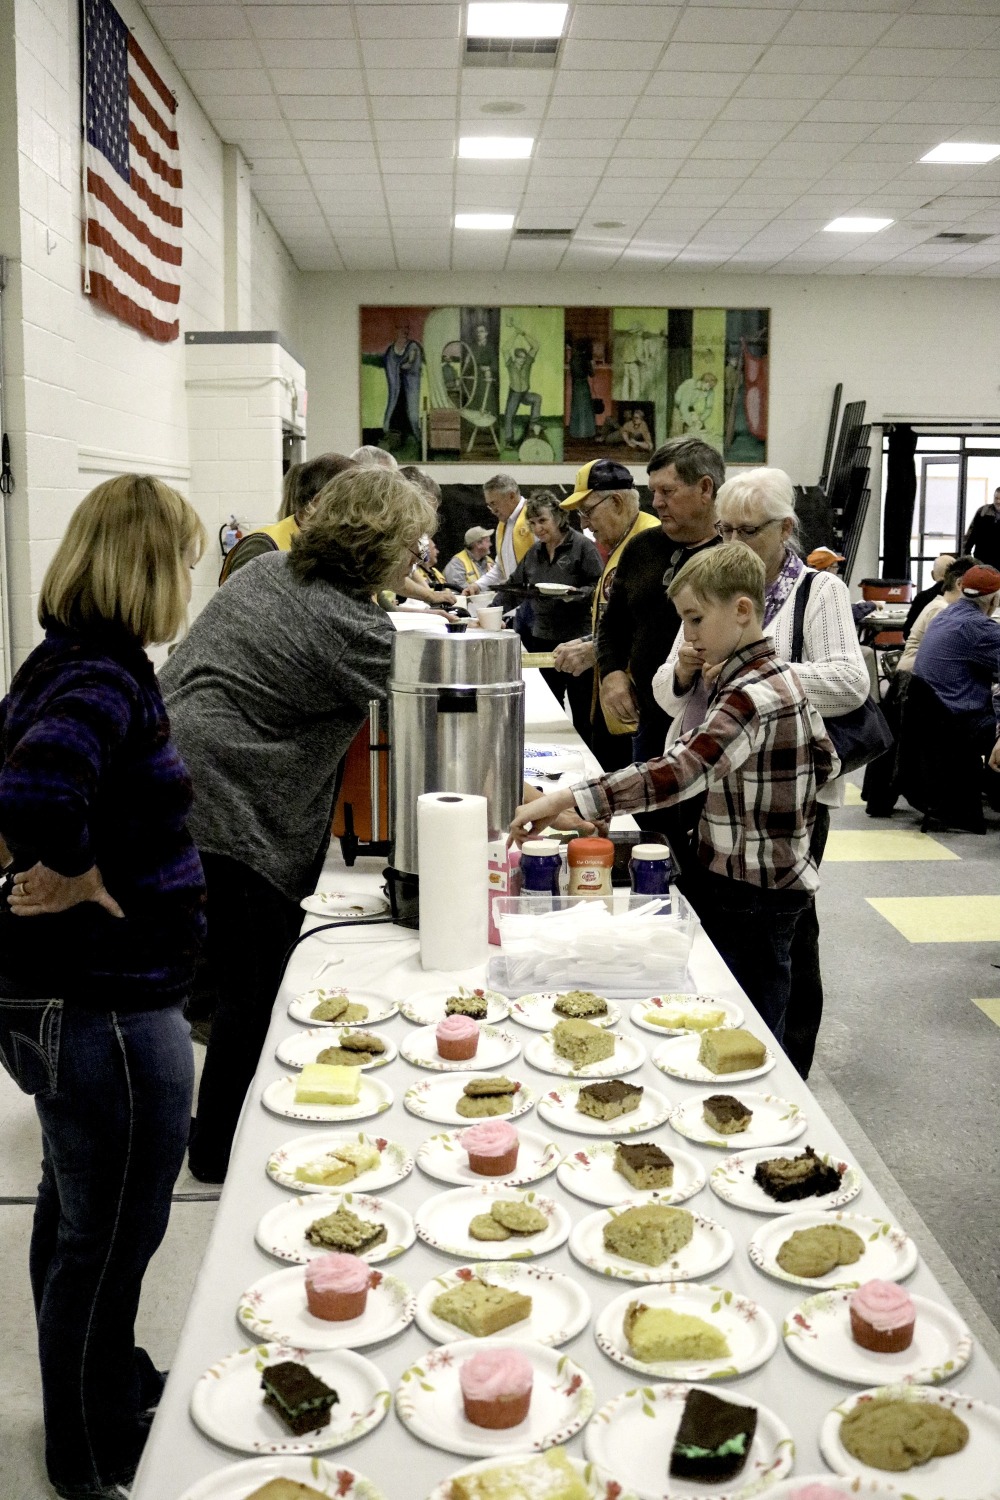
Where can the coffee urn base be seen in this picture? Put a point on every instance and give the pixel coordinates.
(402, 889)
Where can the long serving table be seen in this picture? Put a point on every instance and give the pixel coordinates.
(386, 960)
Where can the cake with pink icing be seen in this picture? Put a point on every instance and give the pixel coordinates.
(492, 1147)
(817, 1492)
(882, 1317)
(337, 1287)
(457, 1038)
(496, 1387)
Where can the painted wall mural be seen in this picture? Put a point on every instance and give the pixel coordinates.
(551, 384)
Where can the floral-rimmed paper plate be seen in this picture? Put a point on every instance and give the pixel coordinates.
(538, 1012)
(374, 1098)
(275, 1308)
(345, 905)
(590, 1174)
(628, 1055)
(395, 1162)
(282, 1230)
(648, 1014)
(378, 1007)
(733, 1181)
(597, 1489)
(972, 1473)
(428, 1007)
(557, 1107)
(239, 1480)
(789, 1488)
(303, 1047)
(710, 1246)
(748, 1330)
(429, 1401)
(560, 1308)
(889, 1253)
(443, 1222)
(442, 1156)
(818, 1332)
(227, 1402)
(678, 1058)
(630, 1438)
(437, 1099)
(775, 1122)
(496, 1048)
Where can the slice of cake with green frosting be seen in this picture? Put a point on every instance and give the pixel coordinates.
(714, 1438)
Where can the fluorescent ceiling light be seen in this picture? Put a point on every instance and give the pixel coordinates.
(495, 147)
(516, 19)
(963, 153)
(484, 221)
(856, 226)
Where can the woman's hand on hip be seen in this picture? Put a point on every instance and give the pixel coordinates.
(40, 892)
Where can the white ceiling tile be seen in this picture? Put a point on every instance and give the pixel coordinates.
(945, 115)
(555, 149)
(909, 62)
(304, 107)
(414, 130)
(844, 131)
(712, 171)
(790, 61)
(201, 53)
(962, 90)
(707, 57)
(505, 83)
(320, 82)
(210, 22)
(355, 131)
(300, 22)
(527, 256)
(666, 107)
(643, 23)
(441, 83)
(899, 86)
(584, 166)
(309, 54)
(712, 150)
(593, 56)
(775, 86)
(218, 83)
(572, 107)
(841, 110)
(330, 130)
(943, 30)
(767, 110)
(412, 107)
(409, 53)
(412, 20)
(597, 89)
(693, 85)
(229, 111)
(701, 23)
(833, 26)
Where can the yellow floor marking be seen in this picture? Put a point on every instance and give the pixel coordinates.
(990, 1008)
(942, 919)
(893, 843)
(853, 798)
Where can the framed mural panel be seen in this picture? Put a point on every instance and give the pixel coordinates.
(550, 384)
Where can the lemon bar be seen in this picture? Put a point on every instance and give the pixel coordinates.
(547, 1476)
(730, 1051)
(581, 1043)
(702, 1019)
(659, 1333)
(322, 1083)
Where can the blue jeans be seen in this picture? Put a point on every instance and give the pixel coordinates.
(113, 1096)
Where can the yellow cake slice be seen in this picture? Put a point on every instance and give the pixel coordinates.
(701, 1019)
(731, 1051)
(547, 1476)
(581, 1043)
(659, 1333)
(650, 1234)
(323, 1083)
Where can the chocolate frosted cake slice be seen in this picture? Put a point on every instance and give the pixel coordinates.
(606, 1101)
(713, 1439)
(726, 1114)
(644, 1164)
(788, 1178)
(299, 1397)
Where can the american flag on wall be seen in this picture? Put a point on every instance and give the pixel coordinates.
(131, 179)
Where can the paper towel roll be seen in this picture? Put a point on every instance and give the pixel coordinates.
(452, 859)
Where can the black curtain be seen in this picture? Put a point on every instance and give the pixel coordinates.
(900, 496)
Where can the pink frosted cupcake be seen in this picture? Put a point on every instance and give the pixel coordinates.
(457, 1038)
(492, 1147)
(337, 1287)
(882, 1317)
(496, 1387)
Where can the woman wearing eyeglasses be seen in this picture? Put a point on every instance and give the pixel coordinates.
(758, 509)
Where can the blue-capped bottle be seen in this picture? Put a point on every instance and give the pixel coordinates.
(650, 869)
(541, 864)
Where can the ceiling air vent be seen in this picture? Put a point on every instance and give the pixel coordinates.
(543, 234)
(511, 52)
(959, 239)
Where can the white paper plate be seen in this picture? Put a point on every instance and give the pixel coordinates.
(240, 1480)
(819, 1333)
(560, 1308)
(496, 1048)
(374, 1097)
(303, 1047)
(748, 1330)
(789, 1488)
(345, 904)
(275, 1308)
(554, 588)
(380, 1007)
(630, 1438)
(678, 1058)
(710, 1247)
(583, 1471)
(428, 1008)
(537, 1011)
(436, 1099)
(889, 1255)
(443, 1221)
(558, 1107)
(441, 1156)
(628, 1055)
(973, 1473)
(396, 1162)
(775, 1122)
(590, 1173)
(429, 1401)
(282, 1230)
(732, 1181)
(227, 1402)
(640, 1011)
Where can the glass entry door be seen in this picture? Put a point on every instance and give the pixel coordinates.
(937, 515)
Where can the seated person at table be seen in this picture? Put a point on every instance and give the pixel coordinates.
(959, 656)
(760, 755)
(950, 591)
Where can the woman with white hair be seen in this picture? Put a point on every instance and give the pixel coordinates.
(758, 509)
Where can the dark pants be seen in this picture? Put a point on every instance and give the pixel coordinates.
(251, 925)
(113, 1096)
(805, 1000)
(577, 691)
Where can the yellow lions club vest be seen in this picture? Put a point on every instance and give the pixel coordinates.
(524, 537)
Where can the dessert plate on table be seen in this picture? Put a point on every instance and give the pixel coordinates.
(560, 1308)
(275, 1307)
(428, 1007)
(643, 1009)
(240, 1480)
(437, 1099)
(596, 1489)
(429, 1401)
(747, 1328)
(396, 1162)
(628, 1055)
(889, 1254)
(305, 1046)
(732, 1181)
(443, 1221)
(590, 1173)
(537, 1011)
(972, 1473)
(374, 1097)
(379, 1007)
(678, 1058)
(775, 1122)
(227, 1402)
(818, 1332)
(710, 1247)
(282, 1230)
(442, 1156)
(789, 1488)
(345, 905)
(630, 1438)
(558, 1107)
(496, 1048)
